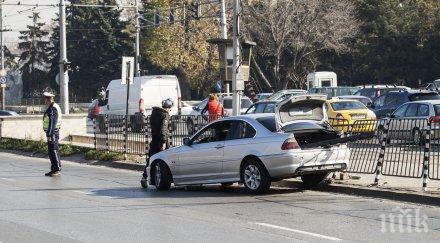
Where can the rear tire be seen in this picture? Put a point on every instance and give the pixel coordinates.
(255, 177)
(162, 176)
(313, 180)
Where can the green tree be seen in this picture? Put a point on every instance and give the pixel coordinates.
(33, 59)
(97, 38)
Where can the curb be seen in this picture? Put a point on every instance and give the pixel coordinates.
(373, 192)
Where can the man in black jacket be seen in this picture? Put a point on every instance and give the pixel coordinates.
(159, 121)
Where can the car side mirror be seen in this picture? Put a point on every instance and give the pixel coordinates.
(369, 104)
(372, 106)
(195, 108)
(390, 115)
(187, 142)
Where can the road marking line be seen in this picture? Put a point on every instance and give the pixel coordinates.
(82, 192)
(7, 179)
(299, 231)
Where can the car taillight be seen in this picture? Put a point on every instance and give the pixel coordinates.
(141, 105)
(290, 143)
(434, 119)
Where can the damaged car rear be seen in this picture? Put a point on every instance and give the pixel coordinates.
(257, 149)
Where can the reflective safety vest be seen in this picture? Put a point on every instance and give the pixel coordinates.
(46, 118)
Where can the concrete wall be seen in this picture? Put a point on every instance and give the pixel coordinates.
(31, 127)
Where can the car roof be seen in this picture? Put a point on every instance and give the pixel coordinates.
(383, 86)
(434, 102)
(414, 91)
(352, 96)
(230, 98)
(337, 87)
(266, 101)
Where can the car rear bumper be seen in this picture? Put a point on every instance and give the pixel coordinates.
(299, 162)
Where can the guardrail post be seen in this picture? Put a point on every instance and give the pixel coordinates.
(146, 139)
(94, 133)
(106, 133)
(382, 153)
(125, 122)
(426, 156)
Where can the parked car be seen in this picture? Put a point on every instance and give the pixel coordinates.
(387, 103)
(227, 104)
(365, 100)
(409, 121)
(333, 91)
(285, 94)
(8, 113)
(255, 149)
(344, 113)
(185, 108)
(262, 96)
(373, 91)
(434, 86)
(266, 106)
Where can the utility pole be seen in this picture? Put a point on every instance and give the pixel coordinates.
(2, 85)
(237, 77)
(64, 76)
(223, 19)
(137, 70)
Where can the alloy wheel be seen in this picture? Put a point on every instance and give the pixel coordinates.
(157, 174)
(252, 177)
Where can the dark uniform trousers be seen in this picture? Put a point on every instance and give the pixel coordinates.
(53, 149)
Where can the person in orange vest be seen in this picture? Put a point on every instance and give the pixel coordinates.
(214, 108)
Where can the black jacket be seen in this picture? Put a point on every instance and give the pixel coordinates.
(159, 120)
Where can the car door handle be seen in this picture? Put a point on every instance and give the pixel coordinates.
(219, 146)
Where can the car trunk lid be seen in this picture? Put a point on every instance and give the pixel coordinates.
(301, 107)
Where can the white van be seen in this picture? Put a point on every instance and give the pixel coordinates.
(321, 79)
(145, 93)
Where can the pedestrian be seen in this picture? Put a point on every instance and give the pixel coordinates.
(51, 126)
(214, 108)
(159, 120)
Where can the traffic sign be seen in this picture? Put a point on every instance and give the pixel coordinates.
(239, 86)
(3, 80)
(127, 70)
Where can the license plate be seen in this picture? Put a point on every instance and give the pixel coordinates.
(358, 117)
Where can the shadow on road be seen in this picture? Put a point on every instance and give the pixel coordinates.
(185, 192)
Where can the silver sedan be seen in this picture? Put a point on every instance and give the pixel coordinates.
(253, 149)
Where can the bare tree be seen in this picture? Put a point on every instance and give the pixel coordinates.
(291, 33)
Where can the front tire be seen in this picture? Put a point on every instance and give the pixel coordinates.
(162, 176)
(255, 177)
(313, 180)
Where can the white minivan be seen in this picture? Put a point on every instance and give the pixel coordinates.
(145, 93)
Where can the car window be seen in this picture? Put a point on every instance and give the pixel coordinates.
(370, 93)
(437, 110)
(202, 104)
(242, 130)
(252, 109)
(423, 110)
(216, 132)
(268, 122)
(3, 113)
(347, 105)
(260, 108)
(412, 110)
(270, 108)
(227, 103)
(245, 103)
(379, 102)
(391, 100)
(424, 96)
(400, 112)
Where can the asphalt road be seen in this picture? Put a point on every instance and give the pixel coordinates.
(97, 204)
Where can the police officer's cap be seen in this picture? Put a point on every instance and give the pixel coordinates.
(168, 103)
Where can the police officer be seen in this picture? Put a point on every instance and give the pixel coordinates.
(159, 120)
(51, 126)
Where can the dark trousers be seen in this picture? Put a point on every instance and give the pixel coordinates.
(154, 148)
(53, 149)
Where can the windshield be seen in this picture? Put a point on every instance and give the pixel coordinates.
(245, 103)
(268, 122)
(301, 126)
(424, 96)
(281, 95)
(437, 110)
(347, 105)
